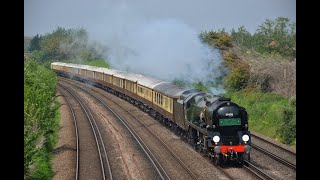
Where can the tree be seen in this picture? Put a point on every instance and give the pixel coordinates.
(220, 39)
(272, 37)
(52, 44)
(67, 44)
(35, 43)
(278, 36)
(242, 37)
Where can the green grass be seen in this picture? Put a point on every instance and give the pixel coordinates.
(98, 62)
(267, 113)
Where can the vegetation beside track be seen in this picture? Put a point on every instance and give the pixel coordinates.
(269, 114)
(41, 120)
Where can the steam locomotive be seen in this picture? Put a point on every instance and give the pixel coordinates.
(212, 124)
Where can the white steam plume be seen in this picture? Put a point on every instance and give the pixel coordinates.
(166, 49)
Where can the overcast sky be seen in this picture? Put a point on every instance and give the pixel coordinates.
(44, 16)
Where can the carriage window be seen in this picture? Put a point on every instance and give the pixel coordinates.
(158, 98)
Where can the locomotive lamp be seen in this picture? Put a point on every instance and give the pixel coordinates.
(245, 138)
(216, 139)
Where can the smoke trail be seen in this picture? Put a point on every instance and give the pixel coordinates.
(166, 49)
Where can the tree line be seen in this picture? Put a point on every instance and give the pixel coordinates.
(64, 44)
(264, 59)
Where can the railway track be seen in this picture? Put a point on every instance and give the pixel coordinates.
(273, 144)
(275, 157)
(247, 165)
(288, 156)
(87, 169)
(256, 171)
(160, 140)
(157, 166)
(154, 135)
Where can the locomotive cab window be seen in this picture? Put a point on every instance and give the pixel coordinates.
(188, 104)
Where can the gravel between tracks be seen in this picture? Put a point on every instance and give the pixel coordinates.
(127, 162)
(64, 153)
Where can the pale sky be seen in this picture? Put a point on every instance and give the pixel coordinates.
(44, 16)
(148, 36)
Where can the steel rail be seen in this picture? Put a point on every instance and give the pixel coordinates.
(95, 130)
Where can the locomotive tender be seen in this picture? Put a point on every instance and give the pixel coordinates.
(212, 124)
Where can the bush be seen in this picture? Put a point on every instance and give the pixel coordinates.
(221, 39)
(98, 62)
(39, 118)
(231, 59)
(287, 129)
(237, 78)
